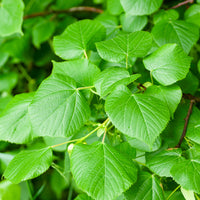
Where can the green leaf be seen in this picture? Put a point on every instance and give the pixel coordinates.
(187, 174)
(42, 31)
(190, 84)
(9, 191)
(15, 125)
(58, 108)
(82, 71)
(165, 15)
(168, 64)
(180, 33)
(78, 38)
(28, 164)
(132, 23)
(192, 14)
(8, 81)
(114, 7)
(170, 95)
(101, 171)
(110, 78)
(141, 7)
(83, 197)
(147, 187)
(189, 195)
(11, 15)
(135, 44)
(162, 162)
(137, 115)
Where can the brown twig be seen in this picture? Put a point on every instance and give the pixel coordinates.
(74, 9)
(191, 97)
(182, 3)
(186, 123)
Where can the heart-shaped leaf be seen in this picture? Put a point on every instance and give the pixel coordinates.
(28, 164)
(58, 108)
(168, 64)
(101, 171)
(137, 115)
(135, 44)
(78, 38)
(141, 7)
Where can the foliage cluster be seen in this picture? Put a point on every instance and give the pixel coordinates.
(99, 99)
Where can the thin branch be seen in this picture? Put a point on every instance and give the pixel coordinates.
(186, 123)
(74, 9)
(191, 97)
(182, 4)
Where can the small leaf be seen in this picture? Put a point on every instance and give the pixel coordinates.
(192, 14)
(170, 95)
(78, 38)
(58, 108)
(168, 64)
(82, 71)
(101, 171)
(132, 23)
(162, 162)
(135, 44)
(28, 165)
(15, 125)
(137, 115)
(187, 174)
(110, 78)
(180, 33)
(147, 187)
(11, 15)
(141, 7)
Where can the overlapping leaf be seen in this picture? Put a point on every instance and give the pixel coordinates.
(168, 64)
(110, 78)
(101, 171)
(162, 162)
(78, 38)
(187, 174)
(82, 71)
(147, 187)
(137, 115)
(28, 164)
(170, 95)
(15, 125)
(178, 32)
(135, 44)
(141, 7)
(58, 108)
(11, 15)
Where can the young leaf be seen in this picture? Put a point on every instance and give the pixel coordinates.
(170, 95)
(58, 108)
(78, 38)
(110, 78)
(168, 64)
(101, 171)
(187, 174)
(141, 7)
(162, 162)
(137, 115)
(28, 164)
(15, 125)
(135, 44)
(82, 71)
(147, 187)
(11, 15)
(180, 33)
(132, 23)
